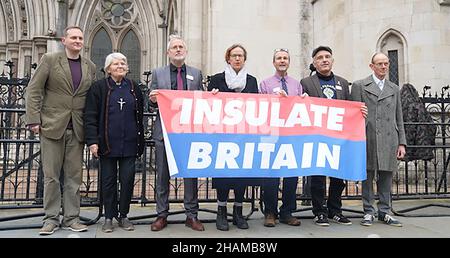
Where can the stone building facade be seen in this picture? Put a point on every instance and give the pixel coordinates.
(414, 33)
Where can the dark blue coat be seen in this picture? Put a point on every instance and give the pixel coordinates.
(96, 116)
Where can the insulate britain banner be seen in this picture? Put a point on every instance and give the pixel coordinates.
(258, 135)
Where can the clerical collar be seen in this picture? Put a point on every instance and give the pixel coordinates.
(325, 78)
(118, 84)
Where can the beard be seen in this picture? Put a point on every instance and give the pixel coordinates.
(179, 58)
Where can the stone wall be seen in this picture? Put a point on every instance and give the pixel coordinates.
(354, 29)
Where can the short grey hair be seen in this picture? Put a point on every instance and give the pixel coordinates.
(111, 57)
(174, 37)
(377, 53)
(66, 30)
(278, 50)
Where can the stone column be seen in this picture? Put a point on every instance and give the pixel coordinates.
(54, 42)
(306, 36)
(191, 27)
(2, 56)
(61, 22)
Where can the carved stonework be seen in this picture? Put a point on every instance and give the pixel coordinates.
(9, 16)
(23, 18)
(160, 5)
(118, 13)
(71, 4)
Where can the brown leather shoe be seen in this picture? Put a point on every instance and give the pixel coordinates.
(291, 221)
(159, 224)
(270, 220)
(195, 224)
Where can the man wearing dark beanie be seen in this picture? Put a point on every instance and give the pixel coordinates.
(325, 84)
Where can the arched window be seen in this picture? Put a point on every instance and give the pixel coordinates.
(131, 48)
(101, 47)
(393, 44)
(394, 71)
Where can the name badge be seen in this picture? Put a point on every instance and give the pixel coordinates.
(189, 77)
(276, 89)
(338, 87)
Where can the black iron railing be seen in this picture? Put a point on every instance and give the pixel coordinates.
(21, 177)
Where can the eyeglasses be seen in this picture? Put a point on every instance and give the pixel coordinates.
(381, 64)
(281, 49)
(176, 47)
(236, 56)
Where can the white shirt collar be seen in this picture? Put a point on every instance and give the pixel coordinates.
(376, 80)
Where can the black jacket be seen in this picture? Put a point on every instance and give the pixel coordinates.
(96, 116)
(218, 82)
(311, 86)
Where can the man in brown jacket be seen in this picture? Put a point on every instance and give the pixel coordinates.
(385, 135)
(55, 100)
(325, 84)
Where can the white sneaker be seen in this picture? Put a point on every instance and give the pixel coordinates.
(389, 220)
(367, 220)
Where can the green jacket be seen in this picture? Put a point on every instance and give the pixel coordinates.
(50, 99)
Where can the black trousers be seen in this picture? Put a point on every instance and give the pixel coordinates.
(306, 183)
(334, 202)
(108, 170)
(289, 198)
(239, 192)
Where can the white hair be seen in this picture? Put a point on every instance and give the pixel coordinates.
(113, 56)
(174, 37)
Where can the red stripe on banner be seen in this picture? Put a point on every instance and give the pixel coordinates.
(234, 113)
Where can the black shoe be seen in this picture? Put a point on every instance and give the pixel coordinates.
(340, 219)
(221, 219)
(321, 220)
(238, 219)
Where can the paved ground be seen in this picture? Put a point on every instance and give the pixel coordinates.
(417, 226)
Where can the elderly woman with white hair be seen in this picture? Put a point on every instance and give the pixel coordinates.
(114, 132)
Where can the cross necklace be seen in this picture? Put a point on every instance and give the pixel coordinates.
(121, 103)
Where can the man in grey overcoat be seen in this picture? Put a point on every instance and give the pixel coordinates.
(175, 76)
(386, 142)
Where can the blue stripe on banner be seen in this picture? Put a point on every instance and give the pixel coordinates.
(237, 155)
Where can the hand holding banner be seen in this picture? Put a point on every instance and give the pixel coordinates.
(257, 135)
